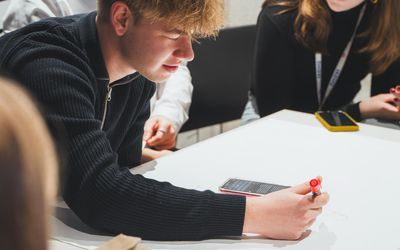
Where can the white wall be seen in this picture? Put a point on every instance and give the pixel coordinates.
(241, 12)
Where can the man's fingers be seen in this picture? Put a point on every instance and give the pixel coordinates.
(157, 138)
(303, 188)
(315, 202)
(149, 129)
(163, 147)
(146, 135)
(150, 124)
(162, 134)
(168, 145)
(309, 224)
(164, 126)
(313, 213)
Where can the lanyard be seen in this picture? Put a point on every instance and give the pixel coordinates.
(339, 67)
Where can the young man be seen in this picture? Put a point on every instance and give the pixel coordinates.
(93, 76)
(169, 105)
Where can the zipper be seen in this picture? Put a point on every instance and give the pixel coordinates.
(108, 97)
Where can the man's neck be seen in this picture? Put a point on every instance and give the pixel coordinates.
(115, 64)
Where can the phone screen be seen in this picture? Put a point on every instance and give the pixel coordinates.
(250, 187)
(336, 118)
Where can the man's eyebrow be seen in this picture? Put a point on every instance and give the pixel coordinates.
(176, 31)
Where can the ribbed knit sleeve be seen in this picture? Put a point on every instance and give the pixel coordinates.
(132, 142)
(104, 194)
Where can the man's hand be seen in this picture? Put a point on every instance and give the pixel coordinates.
(381, 106)
(149, 154)
(285, 214)
(159, 133)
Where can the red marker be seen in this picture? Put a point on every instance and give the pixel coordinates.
(315, 186)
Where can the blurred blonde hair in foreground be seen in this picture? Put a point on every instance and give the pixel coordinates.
(28, 171)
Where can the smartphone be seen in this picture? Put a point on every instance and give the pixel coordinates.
(337, 121)
(250, 188)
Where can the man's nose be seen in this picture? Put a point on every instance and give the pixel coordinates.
(185, 50)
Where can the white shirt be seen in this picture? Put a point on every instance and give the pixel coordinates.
(23, 12)
(172, 98)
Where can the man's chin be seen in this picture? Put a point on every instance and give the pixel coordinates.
(158, 78)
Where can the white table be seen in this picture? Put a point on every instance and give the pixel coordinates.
(360, 171)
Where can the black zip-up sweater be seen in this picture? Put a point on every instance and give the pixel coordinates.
(284, 70)
(59, 60)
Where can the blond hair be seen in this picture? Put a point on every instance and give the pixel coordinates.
(28, 171)
(313, 25)
(199, 18)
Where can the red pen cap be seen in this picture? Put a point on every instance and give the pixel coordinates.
(315, 185)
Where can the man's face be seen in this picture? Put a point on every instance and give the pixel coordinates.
(154, 50)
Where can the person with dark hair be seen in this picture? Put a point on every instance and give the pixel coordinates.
(311, 55)
(28, 172)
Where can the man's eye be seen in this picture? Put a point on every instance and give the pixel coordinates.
(174, 37)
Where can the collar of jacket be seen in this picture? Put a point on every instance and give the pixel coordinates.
(90, 41)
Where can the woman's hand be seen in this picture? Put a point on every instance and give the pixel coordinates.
(396, 92)
(382, 106)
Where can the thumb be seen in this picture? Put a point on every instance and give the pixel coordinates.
(387, 97)
(390, 107)
(303, 188)
(149, 128)
(146, 135)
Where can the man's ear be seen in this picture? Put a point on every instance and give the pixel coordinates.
(120, 17)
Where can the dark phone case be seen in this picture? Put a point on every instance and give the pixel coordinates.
(249, 187)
